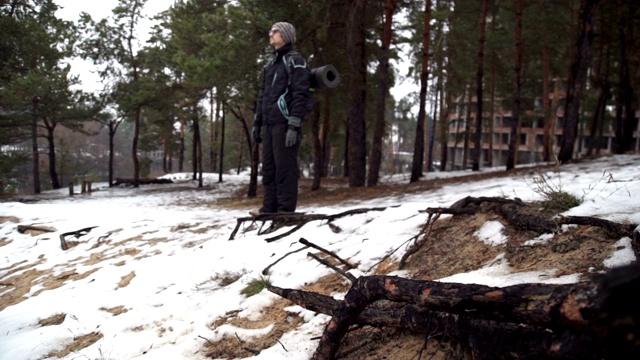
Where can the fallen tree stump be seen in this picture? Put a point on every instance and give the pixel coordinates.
(593, 320)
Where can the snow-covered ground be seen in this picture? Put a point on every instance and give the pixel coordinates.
(147, 276)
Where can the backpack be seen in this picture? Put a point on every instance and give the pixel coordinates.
(323, 77)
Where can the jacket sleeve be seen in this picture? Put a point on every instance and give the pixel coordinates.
(300, 92)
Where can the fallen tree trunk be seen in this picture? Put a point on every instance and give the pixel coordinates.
(481, 336)
(131, 182)
(593, 320)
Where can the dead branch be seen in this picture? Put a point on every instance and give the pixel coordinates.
(330, 253)
(347, 275)
(298, 220)
(616, 228)
(420, 239)
(266, 270)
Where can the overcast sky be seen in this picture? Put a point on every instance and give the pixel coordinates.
(71, 9)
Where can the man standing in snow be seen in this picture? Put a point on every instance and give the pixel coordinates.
(281, 107)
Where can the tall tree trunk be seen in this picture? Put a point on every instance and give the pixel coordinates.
(324, 136)
(513, 141)
(358, 93)
(194, 145)
(477, 154)
(318, 151)
(546, 137)
(577, 78)
(547, 149)
(418, 152)
(459, 121)
(35, 154)
(181, 148)
(625, 122)
(601, 81)
(467, 128)
(241, 150)
(375, 158)
(432, 129)
(113, 126)
(216, 135)
(223, 121)
(253, 179)
(444, 125)
(254, 150)
(134, 148)
(245, 134)
(492, 113)
(51, 153)
(197, 146)
(212, 124)
(445, 99)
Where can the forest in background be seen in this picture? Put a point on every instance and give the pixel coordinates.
(184, 100)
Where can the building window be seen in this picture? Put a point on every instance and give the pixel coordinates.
(496, 122)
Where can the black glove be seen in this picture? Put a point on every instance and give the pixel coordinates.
(292, 134)
(256, 134)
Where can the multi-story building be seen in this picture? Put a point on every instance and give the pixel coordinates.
(497, 135)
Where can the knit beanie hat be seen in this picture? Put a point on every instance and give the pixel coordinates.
(287, 31)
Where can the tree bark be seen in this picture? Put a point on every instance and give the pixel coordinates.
(475, 163)
(577, 79)
(625, 122)
(50, 126)
(515, 121)
(356, 38)
(318, 149)
(35, 154)
(375, 158)
(222, 136)
(418, 152)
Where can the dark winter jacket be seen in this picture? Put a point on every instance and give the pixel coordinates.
(278, 101)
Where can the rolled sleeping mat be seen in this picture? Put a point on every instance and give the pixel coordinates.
(324, 77)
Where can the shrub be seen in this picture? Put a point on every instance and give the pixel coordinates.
(554, 197)
(255, 286)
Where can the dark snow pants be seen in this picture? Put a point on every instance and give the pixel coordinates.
(280, 172)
